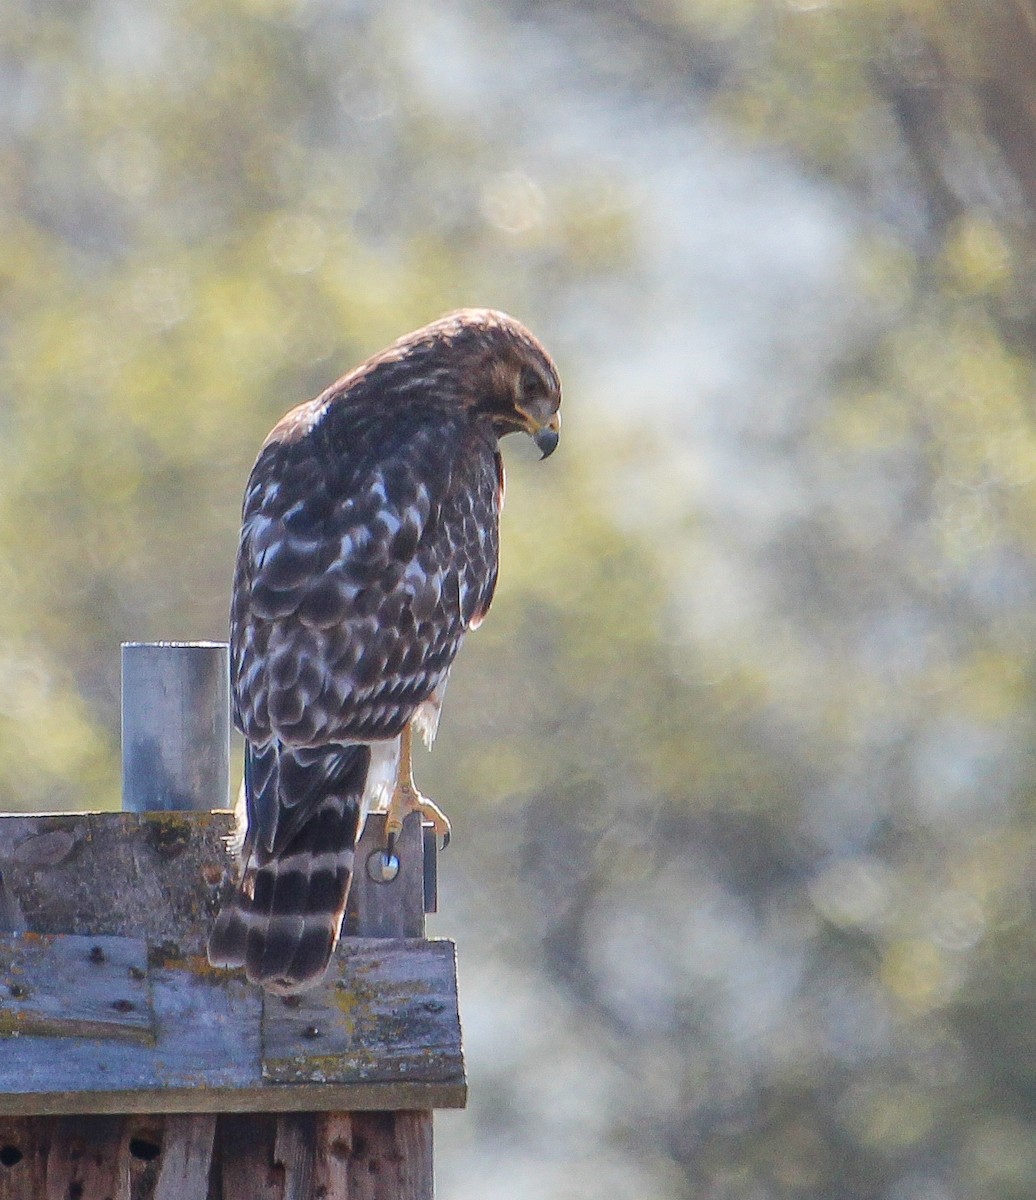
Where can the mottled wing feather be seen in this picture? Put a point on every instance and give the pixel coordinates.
(367, 549)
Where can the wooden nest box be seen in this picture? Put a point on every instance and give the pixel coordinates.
(131, 1069)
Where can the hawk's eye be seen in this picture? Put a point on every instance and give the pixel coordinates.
(529, 383)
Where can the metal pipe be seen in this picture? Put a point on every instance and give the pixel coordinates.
(175, 726)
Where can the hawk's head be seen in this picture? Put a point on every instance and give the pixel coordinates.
(482, 360)
(501, 371)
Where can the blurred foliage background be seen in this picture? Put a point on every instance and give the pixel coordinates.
(741, 766)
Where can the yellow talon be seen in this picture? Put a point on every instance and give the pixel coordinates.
(407, 799)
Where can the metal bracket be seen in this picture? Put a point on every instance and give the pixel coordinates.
(431, 868)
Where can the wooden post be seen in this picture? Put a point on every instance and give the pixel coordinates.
(129, 1068)
(175, 726)
(390, 1153)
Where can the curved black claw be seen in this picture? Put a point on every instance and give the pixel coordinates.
(445, 841)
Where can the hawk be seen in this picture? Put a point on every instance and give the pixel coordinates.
(369, 544)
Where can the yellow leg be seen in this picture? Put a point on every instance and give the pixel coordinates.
(407, 799)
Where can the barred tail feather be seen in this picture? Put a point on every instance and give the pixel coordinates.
(283, 923)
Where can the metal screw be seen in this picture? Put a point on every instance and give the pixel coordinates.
(96, 955)
(382, 867)
(311, 1031)
(18, 991)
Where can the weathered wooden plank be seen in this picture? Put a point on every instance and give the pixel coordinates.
(141, 1150)
(294, 1150)
(23, 1158)
(316, 1097)
(208, 1034)
(68, 986)
(388, 1011)
(412, 1146)
(208, 1056)
(331, 1156)
(84, 1160)
(389, 1156)
(246, 1167)
(12, 919)
(187, 1143)
(155, 876)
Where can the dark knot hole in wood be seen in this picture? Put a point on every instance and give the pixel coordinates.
(147, 1147)
(10, 1156)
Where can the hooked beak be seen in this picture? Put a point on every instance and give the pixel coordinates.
(546, 437)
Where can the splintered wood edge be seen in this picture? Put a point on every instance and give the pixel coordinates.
(298, 1097)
